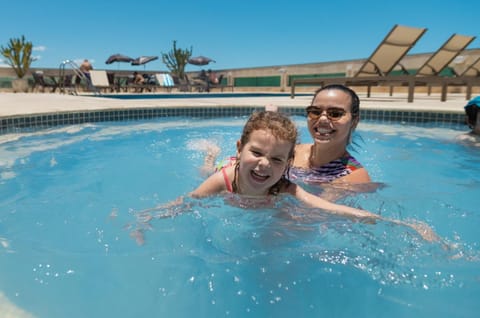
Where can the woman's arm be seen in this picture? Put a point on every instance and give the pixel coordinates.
(425, 231)
(317, 202)
(357, 176)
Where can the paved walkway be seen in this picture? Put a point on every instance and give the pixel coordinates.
(38, 103)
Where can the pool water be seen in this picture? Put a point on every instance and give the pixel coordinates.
(71, 201)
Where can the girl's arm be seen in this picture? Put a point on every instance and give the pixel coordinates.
(213, 185)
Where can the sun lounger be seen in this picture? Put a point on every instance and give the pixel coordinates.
(40, 82)
(439, 60)
(472, 70)
(99, 81)
(430, 73)
(377, 68)
(165, 80)
(391, 50)
(376, 71)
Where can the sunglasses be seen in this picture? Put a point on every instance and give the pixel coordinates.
(333, 113)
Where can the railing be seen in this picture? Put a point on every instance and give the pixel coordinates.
(67, 84)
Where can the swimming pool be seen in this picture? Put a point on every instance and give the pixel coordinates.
(194, 95)
(70, 198)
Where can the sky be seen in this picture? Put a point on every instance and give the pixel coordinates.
(236, 34)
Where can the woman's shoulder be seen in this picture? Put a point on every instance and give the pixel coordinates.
(303, 147)
(302, 153)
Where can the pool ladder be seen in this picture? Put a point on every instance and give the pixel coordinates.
(68, 85)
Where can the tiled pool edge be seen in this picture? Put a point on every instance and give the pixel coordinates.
(19, 123)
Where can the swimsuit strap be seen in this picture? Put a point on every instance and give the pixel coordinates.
(228, 184)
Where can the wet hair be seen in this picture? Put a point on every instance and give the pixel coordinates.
(471, 111)
(281, 128)
(354, 106)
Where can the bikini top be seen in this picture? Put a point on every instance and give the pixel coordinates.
(222, 166)
(327, 173)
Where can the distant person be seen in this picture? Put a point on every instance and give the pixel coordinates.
(138, 78)
(85, 69)
(472, 110)
(212, 77)
(203, 75)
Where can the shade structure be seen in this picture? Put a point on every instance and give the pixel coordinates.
(200, 60)
(144, 60)
(118, 58)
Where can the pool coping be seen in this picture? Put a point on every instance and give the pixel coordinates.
(39, 111)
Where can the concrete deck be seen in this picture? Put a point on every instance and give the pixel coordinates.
(19, 104)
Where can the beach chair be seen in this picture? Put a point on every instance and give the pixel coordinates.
(390, 51)
(468, 78)
(429, 74)
(440, 60)
(471, 70)
(99, 81)
(40, 82)
(166, 81)
(377, 68)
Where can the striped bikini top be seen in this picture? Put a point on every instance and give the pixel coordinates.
(327, 173)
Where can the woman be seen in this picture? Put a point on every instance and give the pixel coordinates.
(332, 117)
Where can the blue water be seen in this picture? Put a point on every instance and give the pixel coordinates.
(70, 202)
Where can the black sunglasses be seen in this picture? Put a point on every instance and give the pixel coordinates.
(333, 113)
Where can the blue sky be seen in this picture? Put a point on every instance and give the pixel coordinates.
(237, 34)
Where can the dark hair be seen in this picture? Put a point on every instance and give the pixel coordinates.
(471, 111)
(282, 127)
(355, 105)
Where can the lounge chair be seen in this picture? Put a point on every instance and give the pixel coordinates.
(166, 81)
(391, 50)
(66, 84)
(430, 73)
(439, 60)
(377, 68)
(468, 78)
(472, 70)
(183, 85)
(99, 81)
(427, 75)
(40, 82)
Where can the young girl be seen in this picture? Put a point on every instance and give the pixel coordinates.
(259, 173)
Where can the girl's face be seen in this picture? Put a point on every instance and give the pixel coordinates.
(324, 123)
(263, 160)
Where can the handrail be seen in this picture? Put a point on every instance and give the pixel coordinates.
(77, 72)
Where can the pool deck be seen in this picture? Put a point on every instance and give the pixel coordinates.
(18, 104)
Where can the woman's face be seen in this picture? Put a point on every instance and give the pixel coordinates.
(324, 123)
